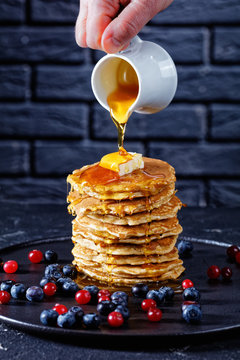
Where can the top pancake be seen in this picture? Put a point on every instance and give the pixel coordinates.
(140, 183)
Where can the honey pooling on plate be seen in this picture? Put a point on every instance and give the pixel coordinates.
(122, 98)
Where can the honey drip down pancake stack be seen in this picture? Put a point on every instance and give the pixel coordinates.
(126, 228)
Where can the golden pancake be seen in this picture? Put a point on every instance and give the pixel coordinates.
(82, 205)
(165, 211)
(139, 271)
(172, 274)
(80, 252)
(143, 182)
(120, 232)
(99, 238)
(155, 247)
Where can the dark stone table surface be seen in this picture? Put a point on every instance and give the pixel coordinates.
(21, 222)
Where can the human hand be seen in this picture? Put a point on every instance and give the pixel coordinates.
(109, 25)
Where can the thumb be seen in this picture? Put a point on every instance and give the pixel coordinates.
(129, 22)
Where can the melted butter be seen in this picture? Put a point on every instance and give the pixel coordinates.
(113, 160)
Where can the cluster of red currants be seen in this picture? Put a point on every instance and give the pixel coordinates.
(153, 313)
(11, 266)
(214, 271)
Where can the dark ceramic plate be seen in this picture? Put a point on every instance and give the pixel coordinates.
(220, 300)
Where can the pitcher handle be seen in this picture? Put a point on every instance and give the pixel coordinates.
(133, 44)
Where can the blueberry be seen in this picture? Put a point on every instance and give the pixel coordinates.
(50, 256)
(120, 301)
(140, 290)
(91, 320)
(124, 311)
(191, 294)
(6, 285)
(67, 320)
(57, 274)
(118, 294)
(34, 293)
(1, 265)
(192, 314)
(46, 280)
(50, 269)
(156, 295)
(187, 303)
(18, 291)
(49, 317)
(168, 292)
(93, 291)
(78, 313)
(184, 247)
(61, 281)
(70, 271)
(70, 287)
(105, 307)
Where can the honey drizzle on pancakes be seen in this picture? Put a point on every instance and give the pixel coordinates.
(96, 175)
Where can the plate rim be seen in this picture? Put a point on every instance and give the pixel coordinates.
(41, 329)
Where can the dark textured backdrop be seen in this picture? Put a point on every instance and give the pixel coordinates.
(50, 123)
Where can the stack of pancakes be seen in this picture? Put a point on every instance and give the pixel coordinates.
(125, 230)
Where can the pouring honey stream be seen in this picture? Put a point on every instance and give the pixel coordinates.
(122, 98)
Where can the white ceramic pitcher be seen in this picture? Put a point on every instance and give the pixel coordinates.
(155, 69)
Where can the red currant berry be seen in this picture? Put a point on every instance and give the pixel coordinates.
(148, 303)
(103, 298)
(10, 266)
(213, 272)
(49, 289)
(237, 257)
(226, 273)
(115, 319)
(60, 309)
(104, 292)
(232, 251)
(35, 256)
(154, 314)
(187, 283)
(4, 297)
(82, 297)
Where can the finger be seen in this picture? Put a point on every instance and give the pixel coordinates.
(100, 15)
(80, 29)
(129, 22)
(122, 29)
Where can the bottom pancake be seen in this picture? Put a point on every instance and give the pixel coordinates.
(172, 274)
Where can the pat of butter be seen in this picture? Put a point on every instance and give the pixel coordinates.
(123, 164)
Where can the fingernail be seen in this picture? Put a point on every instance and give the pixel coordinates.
(112, 45)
